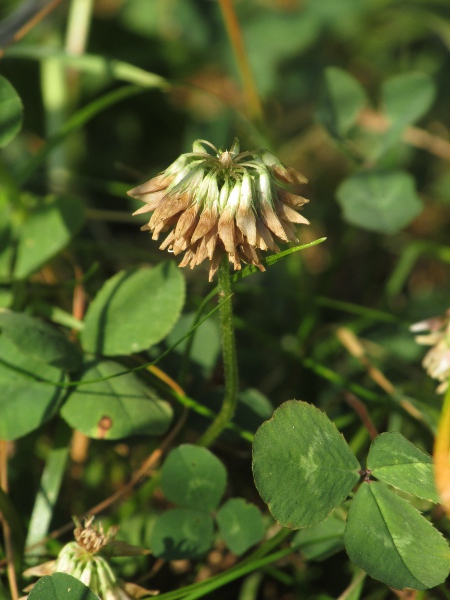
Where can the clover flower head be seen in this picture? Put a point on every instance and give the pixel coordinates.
(437, 359)
(83, 559)
(215, 202)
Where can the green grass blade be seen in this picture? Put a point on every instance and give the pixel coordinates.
(74, 123)
(95, 65)
(47, 495)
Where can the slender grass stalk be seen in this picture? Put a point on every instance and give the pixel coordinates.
(78, 25)
(226, 413)
(48, 493)
(441, 455)
(54, 96)
(7, 533)
(256, 560)
(237, 43)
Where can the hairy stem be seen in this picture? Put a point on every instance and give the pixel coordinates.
(237, 43)
(229, 358)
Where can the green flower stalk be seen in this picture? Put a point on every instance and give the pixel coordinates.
(87, 559)
(224, 202)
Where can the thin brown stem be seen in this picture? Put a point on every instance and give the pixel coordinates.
(35, 19)
(245, 71)
(6, 528)
(362, 413)
(354, 346)
(79, 446)
(414, 136)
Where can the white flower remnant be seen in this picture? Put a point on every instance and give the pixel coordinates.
(437, 359)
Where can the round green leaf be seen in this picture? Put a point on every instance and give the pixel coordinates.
(407, 97)
(46, 230)
(252, 410)
(193, 477)
(394, 460)
(61, 586)
(392, 542)
(39, 340)
(322, 540)
(206, 345)
(240, 524)
(182, 533)
(6, 241)
(340, 102)
(26, 402)
(380, 200)
(10, 112)
(303, 467)
(134, 310)
(115, 408)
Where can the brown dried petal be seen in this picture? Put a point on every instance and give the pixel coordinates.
(265, 238)
(289, 214)
(246, 221)
(159, 226)
(181, 243)
(251, 256)
(207, 220)
(160, 182)
(168, 241)
(136, 591)
(235, 260)
(239, 236)
(215, 262)
(202, 251)
(144, 209)
(170, 206)
(188, 256)
(288, 174)
(186, 220)
(46, 568)
(291, 199)
(211, 240)
(226, 228)
(289, 230)
(271, 220)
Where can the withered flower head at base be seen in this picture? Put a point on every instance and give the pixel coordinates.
(222, 202)
(87, 559)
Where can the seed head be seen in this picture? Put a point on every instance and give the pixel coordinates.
(213, 202)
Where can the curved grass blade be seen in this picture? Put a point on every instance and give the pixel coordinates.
(75, 122)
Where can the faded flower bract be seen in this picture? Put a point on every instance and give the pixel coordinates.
(227, 202)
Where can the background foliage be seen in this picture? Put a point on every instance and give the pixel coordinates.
(355, 96)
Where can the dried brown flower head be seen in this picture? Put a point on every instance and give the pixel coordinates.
(92, 538)
(227, 202)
